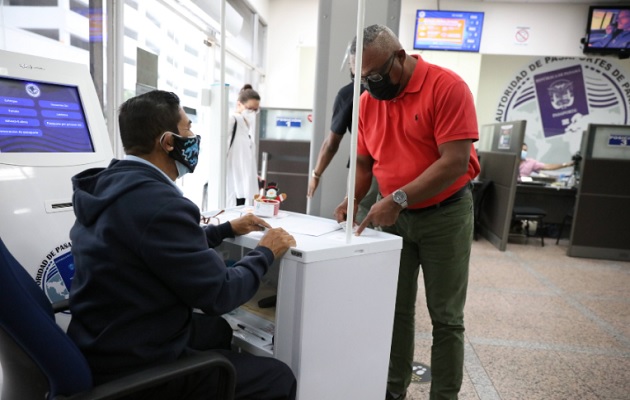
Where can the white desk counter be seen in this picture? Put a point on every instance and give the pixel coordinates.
(335, 307)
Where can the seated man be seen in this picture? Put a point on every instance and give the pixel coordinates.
(529, 165)
(143, 263)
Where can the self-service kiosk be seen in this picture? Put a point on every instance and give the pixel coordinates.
(51, 128)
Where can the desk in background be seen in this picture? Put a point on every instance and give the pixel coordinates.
(496, 209)
(555, 200)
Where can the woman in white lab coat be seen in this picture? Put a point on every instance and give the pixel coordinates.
(242, 166)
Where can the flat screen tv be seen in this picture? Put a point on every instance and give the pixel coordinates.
(608, 31)
(448, 30)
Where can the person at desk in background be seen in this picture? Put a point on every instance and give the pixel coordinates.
(340, 124)
(529, 165)
(617, 35)
(241, 164)
(143, 262)
(416, 134)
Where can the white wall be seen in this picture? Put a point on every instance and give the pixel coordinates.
(554, 29)
(292, 38)
(602, 76)
(261, 7)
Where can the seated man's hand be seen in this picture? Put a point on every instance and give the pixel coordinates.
(278, 241)
(248, 223)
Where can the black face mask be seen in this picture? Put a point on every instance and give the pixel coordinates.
(185, 151)
(383, 89)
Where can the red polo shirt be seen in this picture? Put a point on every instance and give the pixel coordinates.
(402, 135)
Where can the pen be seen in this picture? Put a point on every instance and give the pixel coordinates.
(250, 331)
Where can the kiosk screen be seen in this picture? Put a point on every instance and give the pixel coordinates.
(38, 117)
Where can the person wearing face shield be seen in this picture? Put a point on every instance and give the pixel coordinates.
(241, 166)
(416, 134)
(143, 263)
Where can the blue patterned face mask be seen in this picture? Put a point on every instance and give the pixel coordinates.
(186, 153)
(523, 154)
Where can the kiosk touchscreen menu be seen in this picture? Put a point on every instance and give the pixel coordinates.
(38, 117)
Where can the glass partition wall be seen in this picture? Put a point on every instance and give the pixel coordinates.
(164, 44)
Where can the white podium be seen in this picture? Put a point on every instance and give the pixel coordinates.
(332, 323)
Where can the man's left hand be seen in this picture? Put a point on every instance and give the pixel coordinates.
(248, 223)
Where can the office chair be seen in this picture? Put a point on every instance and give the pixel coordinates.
(40, 361)
(479, 197)
(523, 213)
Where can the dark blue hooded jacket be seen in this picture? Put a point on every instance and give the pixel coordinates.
(142, 264)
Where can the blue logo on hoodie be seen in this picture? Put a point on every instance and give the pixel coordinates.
(56, 272)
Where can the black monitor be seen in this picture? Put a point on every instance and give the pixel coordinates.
(608, 31)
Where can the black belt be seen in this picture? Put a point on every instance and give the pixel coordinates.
(449, 200)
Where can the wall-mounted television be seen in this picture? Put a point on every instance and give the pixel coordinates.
(448, 30)
(608, 31)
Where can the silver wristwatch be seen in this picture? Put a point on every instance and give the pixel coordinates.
(400, 198)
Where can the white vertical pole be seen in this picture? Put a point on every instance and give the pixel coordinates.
(222, 108)
(355, 121)
(115, 66)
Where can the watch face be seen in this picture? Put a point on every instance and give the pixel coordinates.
(399, 196)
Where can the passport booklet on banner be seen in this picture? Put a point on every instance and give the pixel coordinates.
(561, 99)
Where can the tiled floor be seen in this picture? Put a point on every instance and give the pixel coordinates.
(540, 325)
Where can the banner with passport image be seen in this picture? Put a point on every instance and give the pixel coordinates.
(561, 99)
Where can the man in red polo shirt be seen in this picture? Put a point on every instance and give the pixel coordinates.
(415, 137)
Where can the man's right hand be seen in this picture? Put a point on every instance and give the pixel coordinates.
(278, 241)
(341, 212)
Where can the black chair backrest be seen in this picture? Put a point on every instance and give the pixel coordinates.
(481, 194)
(39, 361)
(478, 200)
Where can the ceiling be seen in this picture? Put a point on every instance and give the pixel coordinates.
(589, 2)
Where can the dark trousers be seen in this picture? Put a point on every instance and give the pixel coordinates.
(257, 378)
(437, 243)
